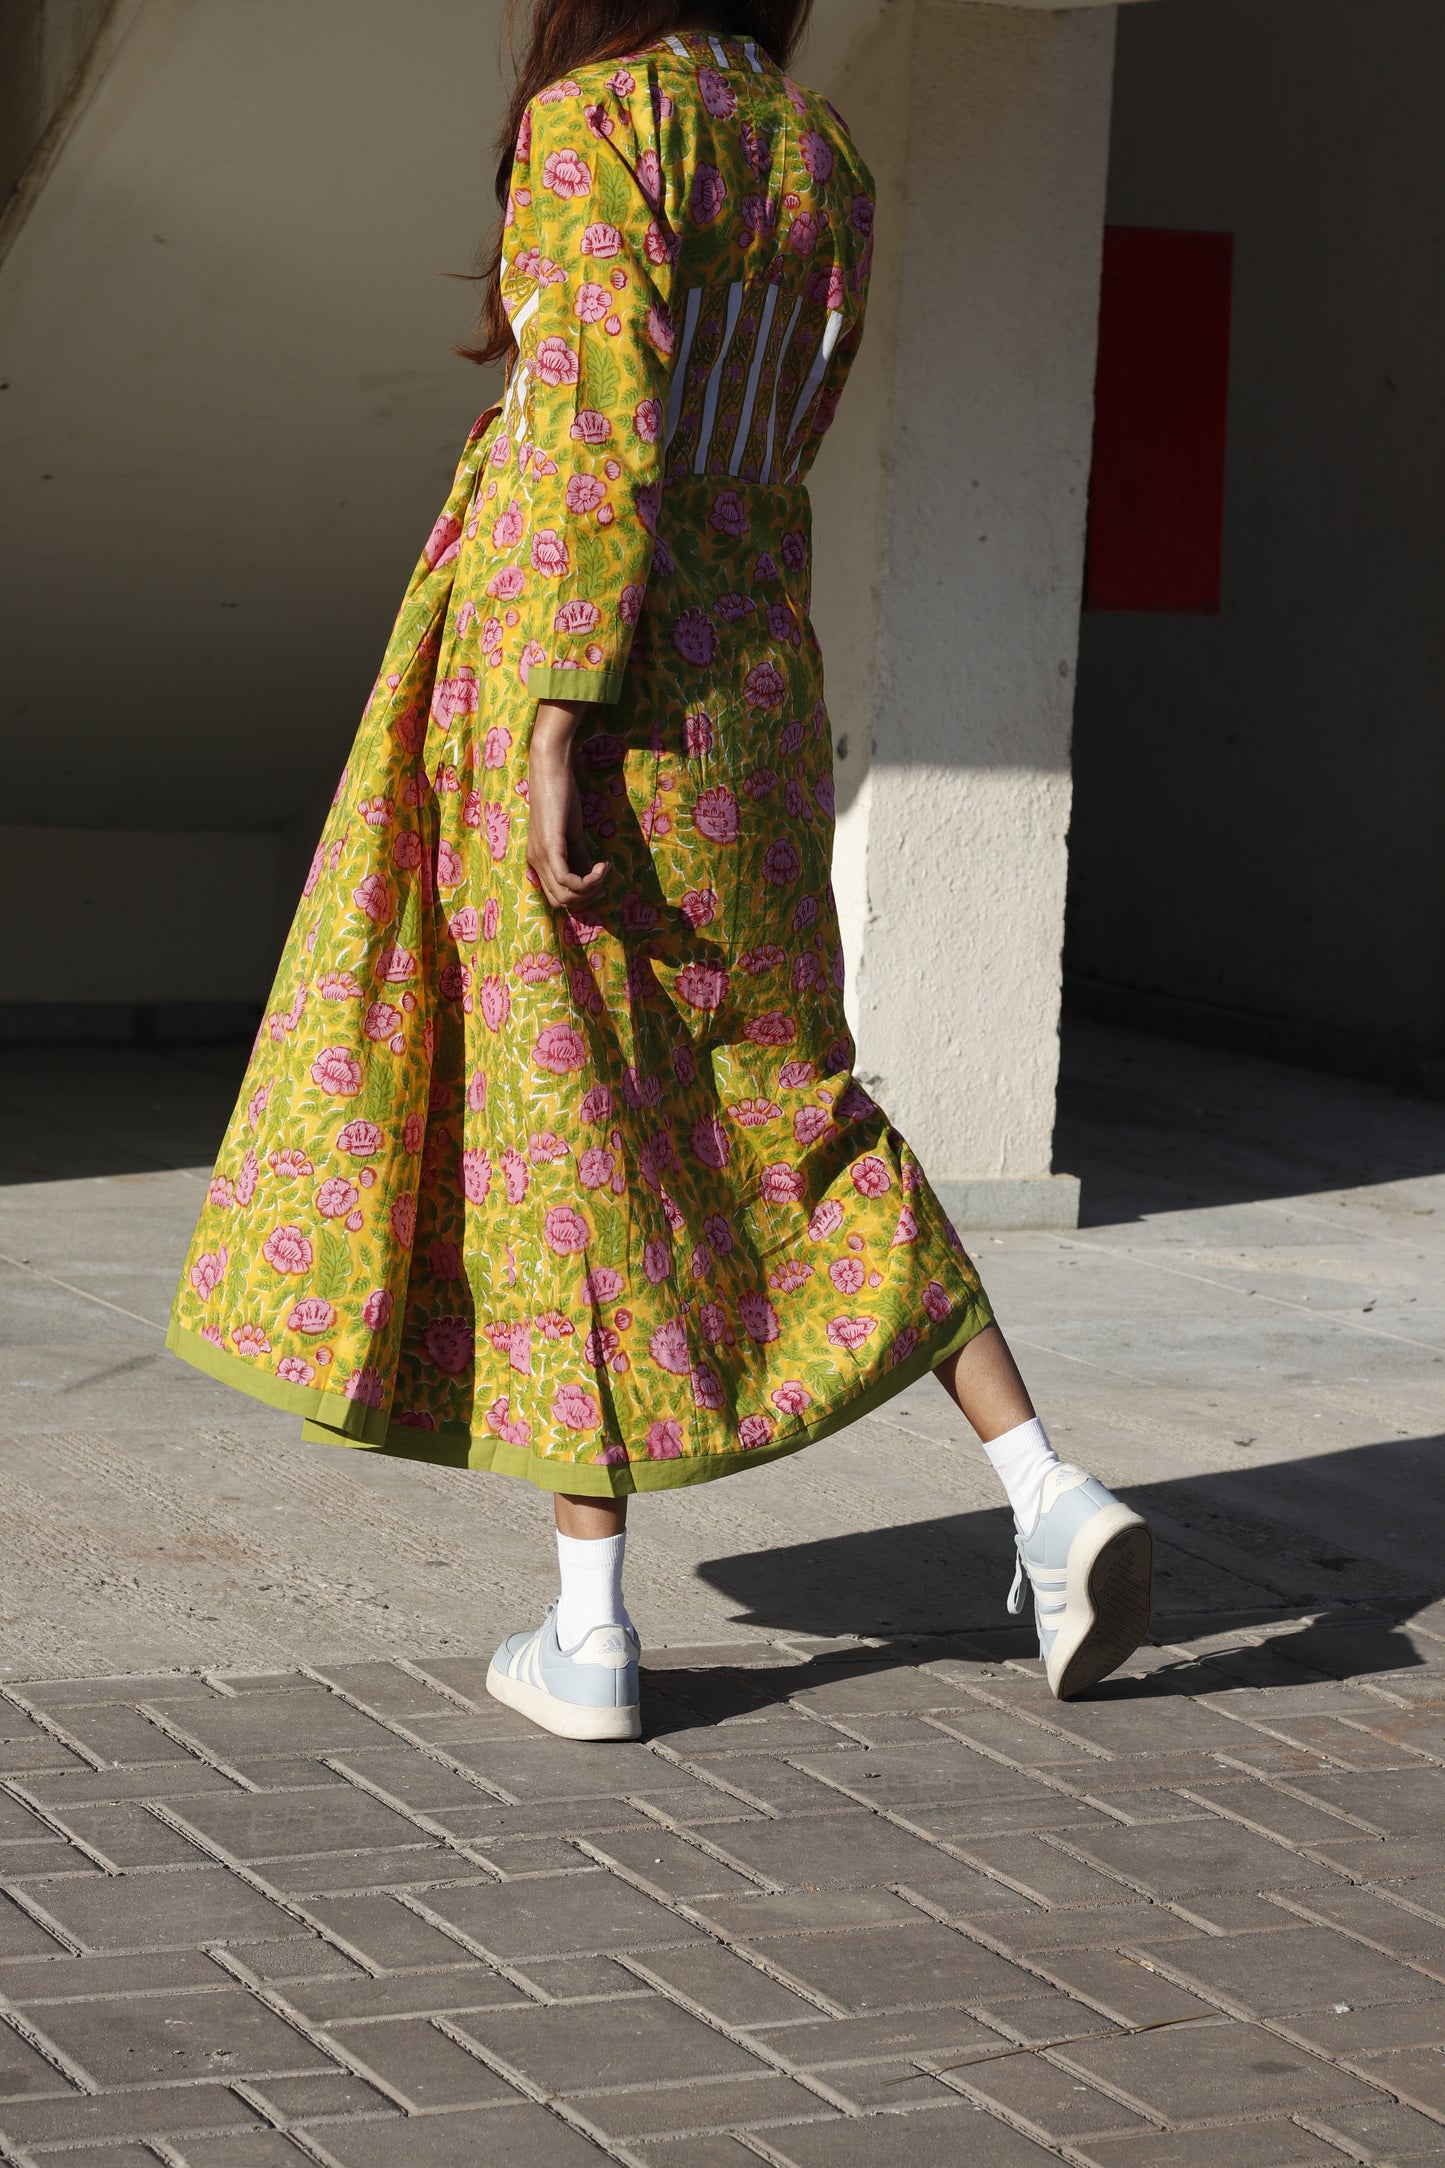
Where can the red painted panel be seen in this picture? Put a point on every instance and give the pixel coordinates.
(1156, 500)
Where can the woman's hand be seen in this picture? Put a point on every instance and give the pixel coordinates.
(558, 851)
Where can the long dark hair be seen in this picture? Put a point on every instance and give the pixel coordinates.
(564, 35)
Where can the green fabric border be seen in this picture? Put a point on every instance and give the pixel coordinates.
(600, 685)
(452, 1447)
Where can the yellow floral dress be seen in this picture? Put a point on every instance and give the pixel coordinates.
(598, 1202)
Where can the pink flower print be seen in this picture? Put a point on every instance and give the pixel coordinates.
(734, 608)
(544, 1147)
(781, 863)
(337, 986)
(491, 918)
(405, 852)
(774, 1028)
(790, 1277)
(403, 1218)
(334, 1199)
(507, 529)
(781, 1184)
(791, 1398)
(590, 427)
(594, 1168)
(629, 607)
(566, 174)
(709, 193)
(870, 1176)
(565, 1232)
(318, 861)
(715, 815)
(498, 745)
(655, 820)
(464, 925)
(694, 638)
(250, 1340)
(311, 1316)
(367, 1386)
(337, 1072)
(804, 233)
(496, 1001)
(647, 420)
(816, 154)
(649, 176)
(851, 1332)
(728, 515)
(377, 1308)
(847, 1275)
(754, 1113)
(709, 1142)
(501, 1426)
(449, 1344)
(601, 241)
(684, 1068)
(795, 550)
(719, 1233)
(294, 1370)
(804, 913)
(208, 1271)
(556, 362)
(755, 1431)
(499, 830)
(380, 1020)
(657, 1262)
(256, 1107)
(592, 302)
(764, 686)
(668, 1347)
(826, 1220)
(796, 1075)
(575, 1409)
(664, 1440)
(699, 908)
(601, 1285)
(445, 1260)
(395, 966)
(362, 1140)
(476, 1176)
(507, 584)
(549, 554)
(936, 1302)
(717, 93)
(453, 980)
(760, 1319)
(903, 1346)
(907, 1228)
(707, 1389)
(222, 1192)
(286, 1249)
(828, 288)
(560, 1049)
(702, 986)
(413, 1130)
(698, 733)
(214, 1334)
(597, 1105)
(455, 696)
(811, 1123)
(760, 784)
(515, 1173)
(712, 1321)
(860, 215)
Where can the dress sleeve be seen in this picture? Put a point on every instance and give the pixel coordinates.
(587, 281)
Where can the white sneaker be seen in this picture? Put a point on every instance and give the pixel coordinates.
(1089, 1560)
(590, 1692)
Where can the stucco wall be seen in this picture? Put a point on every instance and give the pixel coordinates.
(1259, 795)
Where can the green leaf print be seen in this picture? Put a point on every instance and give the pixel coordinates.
(333, 1267)
(593, 562)
(687, 549)
(603, 385)
(378, 1093)
(615, 197)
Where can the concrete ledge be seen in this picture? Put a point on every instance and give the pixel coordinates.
(1026, 1200)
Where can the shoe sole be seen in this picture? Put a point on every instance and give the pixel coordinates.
(1110, 1600)
(565, 1719)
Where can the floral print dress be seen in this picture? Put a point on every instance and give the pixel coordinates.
(598, 1201)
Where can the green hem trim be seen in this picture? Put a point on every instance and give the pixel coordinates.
(604, 686)
(332, 1419)
(353, 1422)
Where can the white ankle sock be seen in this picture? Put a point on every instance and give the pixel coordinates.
(591, 1570)
(1022, 1457)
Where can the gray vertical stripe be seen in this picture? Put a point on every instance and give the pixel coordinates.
(680, 361)
(709, 404)
(811, 382)
(767, 469)
(745, 422)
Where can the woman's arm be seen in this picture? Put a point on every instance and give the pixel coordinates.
(558, 851)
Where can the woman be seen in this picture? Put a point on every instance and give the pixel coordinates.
(550, 1159)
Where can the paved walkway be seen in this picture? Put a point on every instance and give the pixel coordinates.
(864, 1894)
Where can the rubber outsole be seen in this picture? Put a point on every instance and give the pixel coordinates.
(564, 1719)
(1118, 1598)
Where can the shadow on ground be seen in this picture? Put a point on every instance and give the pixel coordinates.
(1348, 1545)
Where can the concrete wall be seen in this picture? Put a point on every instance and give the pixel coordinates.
(1259, 796)
(42, 46)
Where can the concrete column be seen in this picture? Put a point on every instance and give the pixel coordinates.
(951, 655)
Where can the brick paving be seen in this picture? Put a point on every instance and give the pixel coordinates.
(845, 1903)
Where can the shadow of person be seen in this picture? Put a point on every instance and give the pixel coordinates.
(1266, 1578)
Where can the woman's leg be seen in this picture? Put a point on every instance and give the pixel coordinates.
(984, 1379)
(591, 1550)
